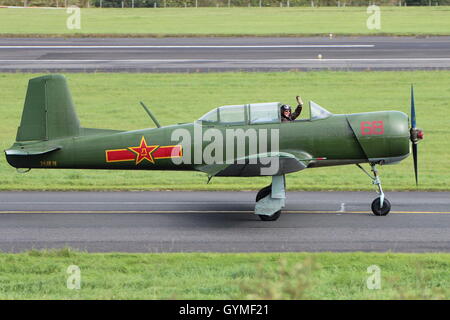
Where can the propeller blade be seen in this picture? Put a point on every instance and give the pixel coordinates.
(413, 109)
(414, 150)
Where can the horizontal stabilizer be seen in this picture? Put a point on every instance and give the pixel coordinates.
(30, 151)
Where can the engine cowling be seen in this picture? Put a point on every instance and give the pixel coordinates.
(383, 136)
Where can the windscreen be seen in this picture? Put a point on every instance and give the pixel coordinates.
(318, 112)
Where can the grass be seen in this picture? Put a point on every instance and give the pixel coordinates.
(42, 275)
(227, 21)
(111, 101)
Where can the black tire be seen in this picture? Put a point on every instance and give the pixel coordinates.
(273, 217)
(381, 211)
(264, 192)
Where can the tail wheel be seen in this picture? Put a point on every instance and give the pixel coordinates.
(378, 210)
(264, 192)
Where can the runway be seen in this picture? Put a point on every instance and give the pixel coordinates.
(221, 222)
(223, 54)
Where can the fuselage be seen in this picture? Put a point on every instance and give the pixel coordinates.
(336, 140)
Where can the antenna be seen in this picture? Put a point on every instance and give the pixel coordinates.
(150, 114)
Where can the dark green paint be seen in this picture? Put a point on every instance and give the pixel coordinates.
(50, 136)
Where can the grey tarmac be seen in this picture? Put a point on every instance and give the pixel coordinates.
(223, 54)
(184, 221)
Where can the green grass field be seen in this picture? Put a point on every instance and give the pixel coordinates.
(112, 101)
(228, 21)
(42, 275)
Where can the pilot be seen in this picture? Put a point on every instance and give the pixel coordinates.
(286, 112)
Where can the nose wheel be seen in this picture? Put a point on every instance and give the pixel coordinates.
(381, 210)
(380, 206)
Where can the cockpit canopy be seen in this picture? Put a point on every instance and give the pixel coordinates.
(255, 113)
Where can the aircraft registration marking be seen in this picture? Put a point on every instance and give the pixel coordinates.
(372, 128)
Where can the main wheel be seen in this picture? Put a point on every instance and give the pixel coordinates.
(264, 192)
(378, 210)
(273, 217)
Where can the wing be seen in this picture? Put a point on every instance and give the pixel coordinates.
(267, 164)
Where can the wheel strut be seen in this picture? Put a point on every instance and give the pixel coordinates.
(380, 206)
(271, 199)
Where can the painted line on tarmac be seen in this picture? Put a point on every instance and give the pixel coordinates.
(199, 211)
(241, 61)
(190, 46)
(119, 202)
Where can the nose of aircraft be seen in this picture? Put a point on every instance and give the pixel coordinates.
(397, 134)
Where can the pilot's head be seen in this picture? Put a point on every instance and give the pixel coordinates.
(285, 110)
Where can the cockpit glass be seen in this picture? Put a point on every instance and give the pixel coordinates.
(211, 116)
(255, 113)
(232, 114)
(264, 112)
(318, 112)
(226, 114)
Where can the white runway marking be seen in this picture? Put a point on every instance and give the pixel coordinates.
(193, 46)
(230, 60)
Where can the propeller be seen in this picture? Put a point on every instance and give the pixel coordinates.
(415, 134)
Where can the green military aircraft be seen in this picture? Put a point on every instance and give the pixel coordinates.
(241, 140)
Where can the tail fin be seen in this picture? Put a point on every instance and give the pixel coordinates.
(49, 112)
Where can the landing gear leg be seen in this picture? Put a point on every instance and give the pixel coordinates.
(380, 206)
(271, 199)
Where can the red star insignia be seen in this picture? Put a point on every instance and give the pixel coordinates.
(144, 151)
